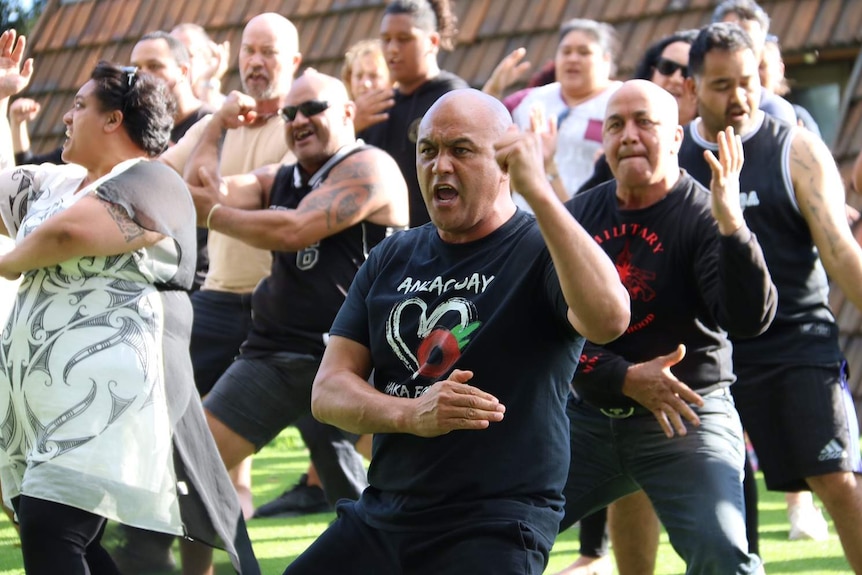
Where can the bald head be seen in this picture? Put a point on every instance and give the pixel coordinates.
(477, 109)
(323, 87)
(664, 104)
(464, 187)
(641, 137)
(268, 56)
(276, 25)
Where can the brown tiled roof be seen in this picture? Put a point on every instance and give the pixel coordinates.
(71, 37)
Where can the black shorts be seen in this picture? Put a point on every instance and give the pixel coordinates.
(800, 419)
(258, 397)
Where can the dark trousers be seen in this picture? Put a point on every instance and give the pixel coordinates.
(57, 538)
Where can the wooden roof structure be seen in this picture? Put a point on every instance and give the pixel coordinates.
(72, 35)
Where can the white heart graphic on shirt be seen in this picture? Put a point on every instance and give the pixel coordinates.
(464, 308)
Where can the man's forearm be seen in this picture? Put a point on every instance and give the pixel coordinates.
(588, 278)
(205, 153)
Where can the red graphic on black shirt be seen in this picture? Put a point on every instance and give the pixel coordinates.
(635, 279)
(439, 351)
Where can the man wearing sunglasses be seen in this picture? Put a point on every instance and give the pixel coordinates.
(319, 216)
(268, 59)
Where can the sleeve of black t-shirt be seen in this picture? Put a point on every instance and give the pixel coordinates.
(601, 370)
(742, 296)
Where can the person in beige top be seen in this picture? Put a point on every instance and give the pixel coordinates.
(268, 60)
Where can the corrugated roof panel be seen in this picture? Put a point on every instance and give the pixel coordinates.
(820, 29)
(192, 11)
(144, 17)
(173, 12)
(366, 25)
(613, 10)
(80, 14)
(657, 7)
(493, 19)
(495, 50)
(47, 34)
(692, 20)
(527, 18)
(530, 17)
(471, 21)
(472, 57)
(111, 16)
(550, 17)
(328, 35)
(708, 4)
(665, 25)
(636, 42)
(307, 37)
(62, 28)
(312, 6)
(591, 10)
(847, 29)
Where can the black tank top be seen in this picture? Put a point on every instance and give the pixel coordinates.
(293, 308)
(804, 330)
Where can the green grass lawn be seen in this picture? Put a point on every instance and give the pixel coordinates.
(277, 541)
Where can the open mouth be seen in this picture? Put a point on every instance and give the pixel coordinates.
(445, 193)
(302, 134)
(737, 113)
(256, 77)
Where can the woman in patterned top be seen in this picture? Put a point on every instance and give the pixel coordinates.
(99, 418)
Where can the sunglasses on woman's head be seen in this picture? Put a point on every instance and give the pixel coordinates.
(669, 67)
(131, 73)
(308, 108)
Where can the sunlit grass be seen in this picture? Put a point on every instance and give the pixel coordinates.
(278, 541)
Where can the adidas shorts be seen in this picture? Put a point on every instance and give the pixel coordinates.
(800, 419)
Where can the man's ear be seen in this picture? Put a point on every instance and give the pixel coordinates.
(186, 72)
(690, 86)
(434, 42)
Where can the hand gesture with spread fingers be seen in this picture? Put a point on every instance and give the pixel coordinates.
(725, 181)
(13, 76)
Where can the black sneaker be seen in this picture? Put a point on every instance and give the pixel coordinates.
(301, 499)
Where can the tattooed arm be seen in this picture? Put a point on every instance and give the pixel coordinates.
(364, 186)
(820, 194)
(90, 227)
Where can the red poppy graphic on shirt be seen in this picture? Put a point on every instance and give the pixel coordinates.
(635, 279)
(442, 348)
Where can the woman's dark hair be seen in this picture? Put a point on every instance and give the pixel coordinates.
(644, 68)
(145, 101)
(431, 16)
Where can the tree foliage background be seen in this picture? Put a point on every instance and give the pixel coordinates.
(20, 14)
